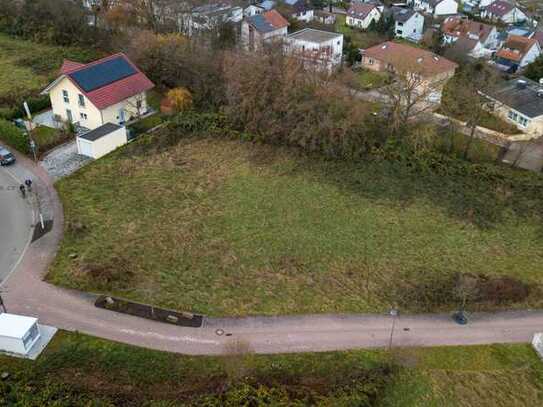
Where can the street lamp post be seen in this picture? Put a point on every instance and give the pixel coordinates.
(394, 315)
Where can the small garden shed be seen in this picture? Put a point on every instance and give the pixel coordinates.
(18, 333)
(102, 140)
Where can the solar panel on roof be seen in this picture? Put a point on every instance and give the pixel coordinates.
(99, 75)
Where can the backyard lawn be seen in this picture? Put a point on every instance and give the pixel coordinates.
(371, 80)
(360, 39)
(230, 228)
(78, 370)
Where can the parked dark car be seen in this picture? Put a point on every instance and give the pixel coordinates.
(6, 157)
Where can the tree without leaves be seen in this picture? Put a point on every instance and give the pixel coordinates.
(465, 97)
(410, 95)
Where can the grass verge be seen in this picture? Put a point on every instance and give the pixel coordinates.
(78, 370)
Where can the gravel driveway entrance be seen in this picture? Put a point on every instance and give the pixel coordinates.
(63, 160)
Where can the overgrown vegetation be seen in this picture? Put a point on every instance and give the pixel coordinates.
(27, 67)
(77, 370)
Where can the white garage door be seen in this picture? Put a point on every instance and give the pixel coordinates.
(84, 147)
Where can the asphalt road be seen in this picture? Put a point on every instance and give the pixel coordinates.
(15, 220)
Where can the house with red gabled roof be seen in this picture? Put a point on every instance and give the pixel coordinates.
(263, 28)
(109, 90)
(505, 11)
(429, 71)
(517, 52)
(361, 15)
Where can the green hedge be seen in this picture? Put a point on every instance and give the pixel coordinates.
(35, 104)
(14, 137)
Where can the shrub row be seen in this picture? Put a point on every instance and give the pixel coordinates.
(35, 104)
(13, 136)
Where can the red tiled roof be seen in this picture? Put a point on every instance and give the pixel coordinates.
(68, 66)
(360, 10)
(275, 19)
(410, 59)
(114, 92)
(499, 8)
(462, 27)
(516, 47)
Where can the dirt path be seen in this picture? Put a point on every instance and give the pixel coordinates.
(71, 310)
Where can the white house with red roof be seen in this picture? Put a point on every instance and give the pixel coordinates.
(260, 29)
(504, 11)
(361, 15)
(109, 90)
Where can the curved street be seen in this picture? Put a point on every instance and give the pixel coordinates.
(15, 220)
(26, 293)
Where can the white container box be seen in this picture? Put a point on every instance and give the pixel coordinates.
(18, 334)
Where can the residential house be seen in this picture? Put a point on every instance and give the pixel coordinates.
(436, 8)
(479, 39)
(361, 15)
(519, 101)
(377, 3)
(109, 90)
(320, 49)
(300, 10)
(268, 4)
(517, 52)
(408, 23)
(538, 36)
(210, 16)
(432, 69)
(503, 11)
(469, 47)
(324, 17)
(263, 28)
(252, 10)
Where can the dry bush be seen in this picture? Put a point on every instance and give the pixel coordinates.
(239, 360)
(273, 97)
(116, 271)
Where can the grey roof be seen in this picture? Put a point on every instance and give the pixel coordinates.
(523, 99)
(402, 14)
(434, 3)
(312, 35)
(267, 4)
(100, 132)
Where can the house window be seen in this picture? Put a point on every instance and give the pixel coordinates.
(400, 24)
(83, 116)
(81, 100)
(65, 96)
(138, 104)
(512, 115)
(370, 61)
(523, 121)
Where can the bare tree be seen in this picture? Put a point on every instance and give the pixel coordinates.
(466, 97)
(412, 93)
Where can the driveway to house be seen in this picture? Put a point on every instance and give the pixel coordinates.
(63, 160)
(26, 293)
(15, 220)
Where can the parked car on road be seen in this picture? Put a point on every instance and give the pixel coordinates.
(6, 157)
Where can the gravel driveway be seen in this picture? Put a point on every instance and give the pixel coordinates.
(63, 161)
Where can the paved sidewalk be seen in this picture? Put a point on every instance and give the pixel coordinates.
(74, 311)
